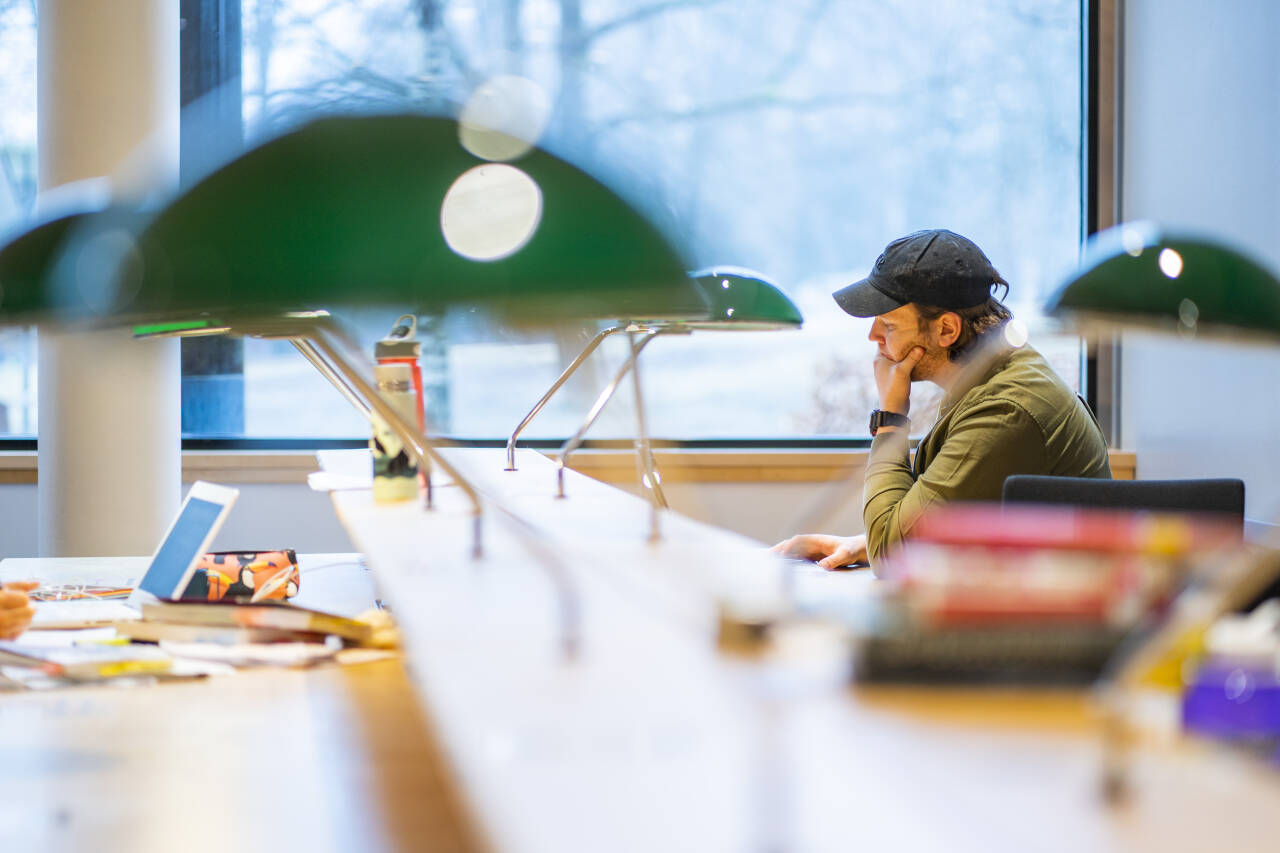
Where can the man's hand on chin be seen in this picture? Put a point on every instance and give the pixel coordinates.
(893, 380)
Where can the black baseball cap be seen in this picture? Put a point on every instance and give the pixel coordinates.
(936, 267)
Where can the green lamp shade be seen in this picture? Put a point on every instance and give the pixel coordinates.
(741, 298)
(392, 210)
(1136, 274)
(26, 268)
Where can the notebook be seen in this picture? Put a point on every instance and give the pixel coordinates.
(174, 562)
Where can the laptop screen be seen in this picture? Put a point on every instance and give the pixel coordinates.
(180, 548)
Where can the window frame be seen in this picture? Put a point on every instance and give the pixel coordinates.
(1101, 95)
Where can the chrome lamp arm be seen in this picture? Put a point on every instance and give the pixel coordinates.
(563, 378)
(575, 441)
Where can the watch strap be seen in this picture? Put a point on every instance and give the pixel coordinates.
(881, 418)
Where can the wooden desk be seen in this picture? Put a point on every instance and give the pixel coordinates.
(336, 758)
(651, 739)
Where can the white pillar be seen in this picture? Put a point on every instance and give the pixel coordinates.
(109, 423)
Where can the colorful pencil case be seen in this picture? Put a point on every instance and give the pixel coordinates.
(245, 574)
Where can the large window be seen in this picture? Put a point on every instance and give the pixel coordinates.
(795, 138)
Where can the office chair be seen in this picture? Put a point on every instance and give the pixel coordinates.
(1220, 496)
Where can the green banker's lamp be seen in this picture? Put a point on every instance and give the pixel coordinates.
(735, 299)
(393, 210)
(387, 210)
(1138, 275)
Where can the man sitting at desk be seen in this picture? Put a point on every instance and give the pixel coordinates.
(16, 611)
(1004, 410)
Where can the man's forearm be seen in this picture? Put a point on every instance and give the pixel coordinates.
(887, 481)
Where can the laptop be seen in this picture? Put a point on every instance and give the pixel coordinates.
(170, 570)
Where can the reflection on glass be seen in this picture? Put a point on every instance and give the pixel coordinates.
(108, 270)
(1188, 313)
(504, 117)
(490, 212)
(1170, 263)
(1134, 238)
(1016, 334)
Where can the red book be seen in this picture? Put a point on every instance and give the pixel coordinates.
(995, 526)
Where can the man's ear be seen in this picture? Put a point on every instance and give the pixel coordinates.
(947, 328)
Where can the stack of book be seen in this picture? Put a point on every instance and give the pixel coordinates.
(1025, 595)
(236, 623)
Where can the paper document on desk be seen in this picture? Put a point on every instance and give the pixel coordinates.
(255, 654)
(50, 639)
(82, 613)
(85, 663)
(342, 469)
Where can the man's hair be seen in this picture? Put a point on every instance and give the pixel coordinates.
(975, 322)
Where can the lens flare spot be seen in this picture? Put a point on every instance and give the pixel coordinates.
(1015, 333)
(1133, 240)
(504, 117)
(491, 212)
(108, 270)
(1170, 263)
(1188, 313)
(1238, 686)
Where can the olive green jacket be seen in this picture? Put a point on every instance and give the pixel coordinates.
(1018, 417)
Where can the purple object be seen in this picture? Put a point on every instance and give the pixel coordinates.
(1235, 702)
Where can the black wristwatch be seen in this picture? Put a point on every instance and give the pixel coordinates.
(880, 418)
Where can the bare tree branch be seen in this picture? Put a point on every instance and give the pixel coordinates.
(309, 18)
(23, 191)
(652, 11)
(748, 104)
(802, 40)
(1029, 13)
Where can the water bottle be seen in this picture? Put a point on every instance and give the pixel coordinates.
(395, 468)
(399, 379)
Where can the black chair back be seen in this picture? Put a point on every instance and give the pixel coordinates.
(1221, 496)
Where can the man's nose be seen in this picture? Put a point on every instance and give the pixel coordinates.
(874, 334)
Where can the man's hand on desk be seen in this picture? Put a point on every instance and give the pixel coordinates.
(829, 552)
(16, 611)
